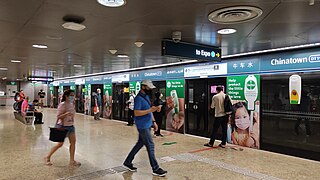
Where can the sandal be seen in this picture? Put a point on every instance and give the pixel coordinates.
(75, 163)
(47, 161)
(208, 145)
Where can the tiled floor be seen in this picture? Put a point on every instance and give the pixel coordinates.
(103, 145)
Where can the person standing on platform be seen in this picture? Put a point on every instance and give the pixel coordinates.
(41, 95)
(158, 115)
(144, 121)
(98, 103)
(221, 118)
(131, 109)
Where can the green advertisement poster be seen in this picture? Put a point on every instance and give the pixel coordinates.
(243, 125)
(107, 100)
(87, 98)
(51, 89)
(134, 86)
(175, 105)
(86, 87)
(60, 89)
(244, 88)
(107, 88)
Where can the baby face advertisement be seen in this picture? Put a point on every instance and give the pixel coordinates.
(175, 105)
(243, 124)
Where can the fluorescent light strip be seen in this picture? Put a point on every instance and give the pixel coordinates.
(15, 61)
(40, 46)
(271, 50)
(126, 70)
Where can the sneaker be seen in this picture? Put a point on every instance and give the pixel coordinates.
(160, 172)
(130, 167)
(221, 145)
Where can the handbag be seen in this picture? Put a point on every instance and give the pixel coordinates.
(95, 109)
(57, 134)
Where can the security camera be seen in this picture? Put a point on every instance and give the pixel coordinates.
(176, 36)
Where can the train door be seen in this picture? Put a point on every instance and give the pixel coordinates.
(200, 116)
(120, 97)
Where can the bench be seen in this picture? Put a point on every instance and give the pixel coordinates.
(28, 120)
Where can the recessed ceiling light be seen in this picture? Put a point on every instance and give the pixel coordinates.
(227, 31)
(3, 69)
(311, 2)
(19, 79)
(122, 56)
(139, 43)
(15, 61)
(73, 26)
(112, 3)
(77, 65)
(113, 51)
(40, 46)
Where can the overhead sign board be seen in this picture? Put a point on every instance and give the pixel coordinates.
(120, 78)
(40, 78)
(191, 51)
(205, 70)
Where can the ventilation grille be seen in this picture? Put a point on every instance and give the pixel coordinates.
(233, 15)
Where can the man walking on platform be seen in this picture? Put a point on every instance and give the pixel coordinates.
(144, 120)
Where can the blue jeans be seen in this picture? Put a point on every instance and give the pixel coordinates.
(145, 138)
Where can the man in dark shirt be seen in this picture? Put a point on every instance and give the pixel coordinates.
(98, 103)
(41, 95)
(37, 114)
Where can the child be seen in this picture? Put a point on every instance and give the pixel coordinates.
(240, 122)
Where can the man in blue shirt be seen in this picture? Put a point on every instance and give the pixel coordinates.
(144, 119)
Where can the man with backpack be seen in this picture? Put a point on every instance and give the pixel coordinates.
(221, 106)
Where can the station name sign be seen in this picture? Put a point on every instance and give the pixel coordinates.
(191, 51)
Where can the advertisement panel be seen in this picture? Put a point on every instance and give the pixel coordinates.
(243, 124)
(87, 99)
(175, 105)
(107, 100)
(134, 86)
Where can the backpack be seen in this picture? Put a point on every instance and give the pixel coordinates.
(227, 105)
(17, 96)
(17, 106)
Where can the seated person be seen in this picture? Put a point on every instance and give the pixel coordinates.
(24, 106)
(37, 114)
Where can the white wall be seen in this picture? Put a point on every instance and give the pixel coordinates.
(10, 91)
(4, 89)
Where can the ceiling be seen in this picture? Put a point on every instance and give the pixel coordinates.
(24, 23)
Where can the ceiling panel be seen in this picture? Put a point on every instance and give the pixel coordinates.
(23, 23)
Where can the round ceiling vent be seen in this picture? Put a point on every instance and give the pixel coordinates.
(235, 14)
